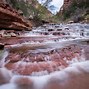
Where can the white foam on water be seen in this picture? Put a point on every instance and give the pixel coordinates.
(5, 76)
(8, 86)
(39, 73)
(38, 80)
(62, 77)
(4, 55)
(82, 65)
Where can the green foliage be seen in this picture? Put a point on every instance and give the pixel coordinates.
(39, 13)
(19, 5)
(74, 6)
(42, 11)
(23, 6)
(70, 9)
(29, 9)
(55, 18)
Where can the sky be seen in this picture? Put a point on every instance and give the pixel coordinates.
(57, 3)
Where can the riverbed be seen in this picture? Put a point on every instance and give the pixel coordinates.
(52, 56)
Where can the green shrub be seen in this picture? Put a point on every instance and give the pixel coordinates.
(75, 4)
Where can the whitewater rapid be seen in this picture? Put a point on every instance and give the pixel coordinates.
(77, 73)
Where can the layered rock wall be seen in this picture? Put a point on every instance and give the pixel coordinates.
(11, 19)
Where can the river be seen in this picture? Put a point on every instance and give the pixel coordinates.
(52, 56)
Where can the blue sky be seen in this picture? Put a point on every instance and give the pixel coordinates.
(57, 3)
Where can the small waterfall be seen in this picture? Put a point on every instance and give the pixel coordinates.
(3, 54)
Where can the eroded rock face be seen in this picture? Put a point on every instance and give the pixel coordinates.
(11, 19)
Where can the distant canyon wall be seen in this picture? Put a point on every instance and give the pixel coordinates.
(67, 3)
(75, 9)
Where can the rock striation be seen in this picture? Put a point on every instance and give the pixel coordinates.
(11, 19)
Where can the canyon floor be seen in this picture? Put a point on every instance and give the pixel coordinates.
(51, 56)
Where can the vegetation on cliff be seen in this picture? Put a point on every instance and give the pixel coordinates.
(78, 10)
(32, 9)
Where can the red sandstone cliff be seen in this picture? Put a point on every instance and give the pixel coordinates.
(11, 19)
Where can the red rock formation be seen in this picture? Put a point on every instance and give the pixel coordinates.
(28, 63)
(10, 18)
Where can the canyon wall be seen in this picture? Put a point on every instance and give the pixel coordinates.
(32, 10)
(78, 3)
(11, 18)
(67, 3)
(77, 10)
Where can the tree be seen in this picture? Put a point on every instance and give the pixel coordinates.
(47, 2)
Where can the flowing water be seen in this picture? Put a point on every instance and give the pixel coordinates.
(52, 56)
